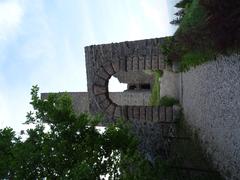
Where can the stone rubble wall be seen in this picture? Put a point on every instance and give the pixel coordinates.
(133, 56)
(210, 96)
(150, 124)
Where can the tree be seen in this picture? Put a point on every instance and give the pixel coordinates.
(66, 145)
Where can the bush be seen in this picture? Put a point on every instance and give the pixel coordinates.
(223, 22)
(206, 28)
(168, 101)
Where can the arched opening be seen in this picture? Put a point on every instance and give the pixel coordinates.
(128, 94)
(115, 86)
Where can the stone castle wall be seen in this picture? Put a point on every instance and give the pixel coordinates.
(81, 102)
(210, 96)
(151, 124)
(134, 56)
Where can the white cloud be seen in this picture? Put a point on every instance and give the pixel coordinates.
(157, 13)
(11, 14)
(135, 29)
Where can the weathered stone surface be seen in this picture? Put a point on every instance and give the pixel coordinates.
(155, 63)
(169, 84)
(123, 64)
(99, 89)
(135, 63)
(129, 64)
(162, 114)
(176, 112)
(169, 114)
(97, 64)
(141, 63)
(110, 110)
(101, 97)
(116, 65)
(136, 112)
(100, 81)
(155, 113)
(149, 113)
(130, 113)
(102, 73)
(118, 112)
(210, 97)
(142, 113)
(109, 69)
(148, 62)
(161, 62)
(104, 105)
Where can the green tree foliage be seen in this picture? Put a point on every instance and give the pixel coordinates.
(223, 22)
(206, 28)
(69, 146)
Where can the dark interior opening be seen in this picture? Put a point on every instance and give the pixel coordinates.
(132, 87)
(145, 86)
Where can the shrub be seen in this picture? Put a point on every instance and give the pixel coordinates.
(223, 22)
(168, 101)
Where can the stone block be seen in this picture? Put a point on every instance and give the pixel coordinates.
(116, 65)
(149, 113)
(142, 113)
(102, 73)
(99, 89)
(162, 114)
(155, 62)
(104, 105)
(169, 114)
(118, 112)
(101, 97)
(110, 110)
(123, 65)
(148, 62)
(141, 63)
(161, 62)
(135, 63)
(155, 113)
(176, 112)
(130, 113)
(129, 64)
(136, 112)
(124, 112)
(109, 69)
(100, 81)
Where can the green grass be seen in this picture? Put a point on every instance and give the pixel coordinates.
(195, 58)
(155, 96)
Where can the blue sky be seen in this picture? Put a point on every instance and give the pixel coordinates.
(42, 42)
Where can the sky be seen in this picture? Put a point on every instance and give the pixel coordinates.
(42, 43)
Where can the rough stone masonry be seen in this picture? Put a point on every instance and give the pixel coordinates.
(151, 124)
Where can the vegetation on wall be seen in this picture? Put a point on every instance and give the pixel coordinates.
(205, 28)
(155, 94)
(168, 101)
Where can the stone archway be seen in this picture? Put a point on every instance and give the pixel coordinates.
(114, 111)
(151, 124)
